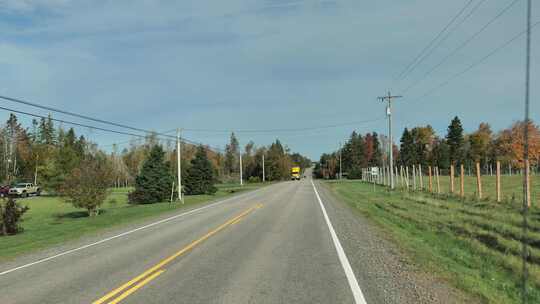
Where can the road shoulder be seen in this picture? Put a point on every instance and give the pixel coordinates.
(383, 270)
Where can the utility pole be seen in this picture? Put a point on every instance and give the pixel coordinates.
(241, 181)
(179, 164)
(526, 181)
(264, 177)
(340, 151)
(388, 99)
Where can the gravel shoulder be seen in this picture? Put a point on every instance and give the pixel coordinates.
(384, 272)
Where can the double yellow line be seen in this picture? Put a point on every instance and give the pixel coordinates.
(153, 272)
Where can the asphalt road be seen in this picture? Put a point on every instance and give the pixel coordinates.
(273, 245)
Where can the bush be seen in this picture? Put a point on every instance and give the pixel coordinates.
(154, 183)
(10, 216)
(254, 179)
(87, 186)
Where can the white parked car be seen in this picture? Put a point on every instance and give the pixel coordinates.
(24, 190)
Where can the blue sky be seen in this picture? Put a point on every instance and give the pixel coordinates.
(269, 64)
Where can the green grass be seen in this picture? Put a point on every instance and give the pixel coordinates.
(50, 221)
(473, 245)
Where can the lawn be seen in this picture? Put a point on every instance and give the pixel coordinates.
(50, 221)
(473, 245)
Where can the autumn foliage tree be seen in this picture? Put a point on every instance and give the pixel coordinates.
(87, 186)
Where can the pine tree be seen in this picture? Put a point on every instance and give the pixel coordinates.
(407, 151)
(455, 141)
(46, 131)
(200, 175)
(231, 155)
(154, 182)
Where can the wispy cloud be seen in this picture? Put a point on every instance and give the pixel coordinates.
(240, 64)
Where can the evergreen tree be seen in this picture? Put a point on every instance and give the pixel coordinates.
(407, 151)
(231, 155)
(70, 138)
(80, 147)
(200, 175)
(154, 182)
(455, 141)
(34, 135)
(46, 131)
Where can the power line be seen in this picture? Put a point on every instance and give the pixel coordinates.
(72, 123)
(20, 101)
(462, 45)
(413, 64)
(103, 129)
(443, 39)
(48, 108)
(473, 65)
(283, 130)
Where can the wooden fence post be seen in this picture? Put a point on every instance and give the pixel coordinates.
(421, 179)
(452, 178)
(528, 181)
(407, 179)
(438, 182)
(399, 173)
(498, 182)
(396, 179)
(462, 181)
(414, 177)
(478, 180)
(430, 180)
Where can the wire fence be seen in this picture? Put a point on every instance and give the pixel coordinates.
(468, 182)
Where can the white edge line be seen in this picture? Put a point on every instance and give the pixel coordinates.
(353, 283)
(125, 233)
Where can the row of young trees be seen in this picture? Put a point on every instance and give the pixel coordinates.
(422, 146)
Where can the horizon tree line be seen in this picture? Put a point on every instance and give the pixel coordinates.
(421, 145)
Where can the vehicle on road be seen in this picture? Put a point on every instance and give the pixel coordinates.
(24, 190)
(295, 173)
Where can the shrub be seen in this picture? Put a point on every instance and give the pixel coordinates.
(254, 179)
(87, 186)
(10, 216)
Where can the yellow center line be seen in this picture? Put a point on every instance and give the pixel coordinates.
(165, 261)
(136, 287)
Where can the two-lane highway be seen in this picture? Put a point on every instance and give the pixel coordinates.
(274, 245)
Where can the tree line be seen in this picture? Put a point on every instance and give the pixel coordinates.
(422, 146)
(81, 173)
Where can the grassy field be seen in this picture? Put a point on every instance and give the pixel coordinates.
(510, 187)
(473, 245)
(50, 221)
